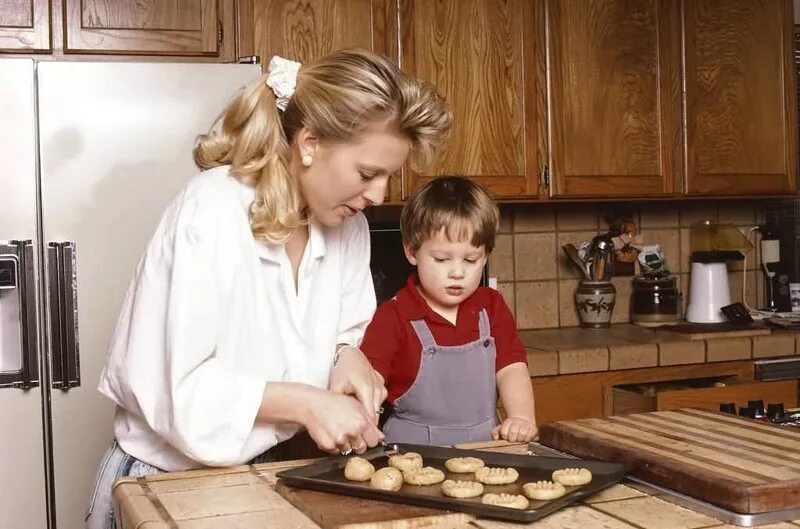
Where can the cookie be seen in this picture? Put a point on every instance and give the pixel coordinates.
(404, 462)
(358, 469)
(461, 489)
(462, 465)
(496, 476)
(512, 501)
(544, 490)
(387, 478)
(423, 476)
(572, 477)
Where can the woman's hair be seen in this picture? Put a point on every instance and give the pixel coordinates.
(461, 208)
(338, 96)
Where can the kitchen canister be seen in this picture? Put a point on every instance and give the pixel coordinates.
(655, 301)
(594, 301)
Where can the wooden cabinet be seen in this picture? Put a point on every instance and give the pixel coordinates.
(481, 55)
(24, 26)
(740, 97)
(156, 27)
(303, 30)
(614, 97)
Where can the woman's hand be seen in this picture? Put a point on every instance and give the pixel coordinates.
(339, 423)
(515, 430)
(353, 375)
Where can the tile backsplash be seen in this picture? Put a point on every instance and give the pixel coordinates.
(538, 282)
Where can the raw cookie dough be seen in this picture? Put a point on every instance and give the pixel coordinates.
(463, 465)
(423, 476)
(358, 469)
(387, 478)
(544, 490)
(572, 477)
(512, 501)
(496, 476)
(408, 461)
(461, 489)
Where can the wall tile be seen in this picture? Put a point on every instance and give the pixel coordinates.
(622, 304)
(777, 344)
(507, 291)
(567, 313)
(542, 363)
(659, 215)
(537, 305)
(566, 269)
(535, 256)
(633, 356)
(534, 218)
(583, 360)
(506, 219)
(735, 280)
(725, 349)
(501, 261)
(577, 217)
(692, 212)
(738, 212)
(677, 353)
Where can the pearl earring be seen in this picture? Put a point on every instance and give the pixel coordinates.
(307, 159)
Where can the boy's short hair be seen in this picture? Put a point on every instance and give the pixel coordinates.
(457, 205)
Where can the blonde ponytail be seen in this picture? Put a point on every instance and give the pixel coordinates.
(250, 139)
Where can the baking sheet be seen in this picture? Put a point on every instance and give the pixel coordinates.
(327, 475)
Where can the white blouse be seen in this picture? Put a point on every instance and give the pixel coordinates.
(212, 316)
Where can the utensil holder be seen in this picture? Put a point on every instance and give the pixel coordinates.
(594, 301)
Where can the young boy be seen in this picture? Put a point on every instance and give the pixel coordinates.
(444, 345)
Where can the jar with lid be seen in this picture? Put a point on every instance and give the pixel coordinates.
(655, 301)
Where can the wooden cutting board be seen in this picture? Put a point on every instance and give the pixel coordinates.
(702, 331)
(739, 464)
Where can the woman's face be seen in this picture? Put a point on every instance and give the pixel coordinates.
(345, 178)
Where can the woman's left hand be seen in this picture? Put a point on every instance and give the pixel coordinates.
(353, 375)
(515, 430)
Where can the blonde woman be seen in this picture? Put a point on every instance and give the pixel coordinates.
(242, 323)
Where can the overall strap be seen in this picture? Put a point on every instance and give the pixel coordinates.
(424, 334)
(483, 324)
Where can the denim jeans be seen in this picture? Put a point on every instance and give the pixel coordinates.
(116, 464)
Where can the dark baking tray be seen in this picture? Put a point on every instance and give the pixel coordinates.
(327, 475)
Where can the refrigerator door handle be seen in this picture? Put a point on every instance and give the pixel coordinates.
(19, 346)
(62, 282)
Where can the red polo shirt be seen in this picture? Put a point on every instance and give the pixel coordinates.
(394, 350)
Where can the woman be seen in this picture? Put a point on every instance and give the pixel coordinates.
(241, 325)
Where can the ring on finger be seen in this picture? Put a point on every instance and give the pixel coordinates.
(347, 452)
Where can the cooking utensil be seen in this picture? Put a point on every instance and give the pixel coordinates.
(572, 253)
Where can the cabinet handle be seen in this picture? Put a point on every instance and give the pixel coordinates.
(62, 290)
(18, 295)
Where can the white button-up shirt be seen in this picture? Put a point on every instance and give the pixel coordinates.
(212, 316)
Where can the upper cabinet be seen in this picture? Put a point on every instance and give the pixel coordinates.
(155, 27)
(303, 30)
(481, 55)
(25, 26)
(740, 97)
(615, 108)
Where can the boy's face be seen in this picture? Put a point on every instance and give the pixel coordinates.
(449, 272)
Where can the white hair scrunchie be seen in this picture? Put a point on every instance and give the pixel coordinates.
(282, 78)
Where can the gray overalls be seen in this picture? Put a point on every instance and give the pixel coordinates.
(454, 396)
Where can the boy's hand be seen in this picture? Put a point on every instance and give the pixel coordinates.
(515, 430)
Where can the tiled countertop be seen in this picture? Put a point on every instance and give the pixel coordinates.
(626, 346)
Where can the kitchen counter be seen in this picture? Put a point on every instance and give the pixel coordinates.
(627, 346)
(245, 497)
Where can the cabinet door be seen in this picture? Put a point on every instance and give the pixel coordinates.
(615, 97)
(480, 54)
(155, 27)
(25, 26)
(303, 30)
(740, 98)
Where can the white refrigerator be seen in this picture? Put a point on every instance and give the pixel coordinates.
(90, 155)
